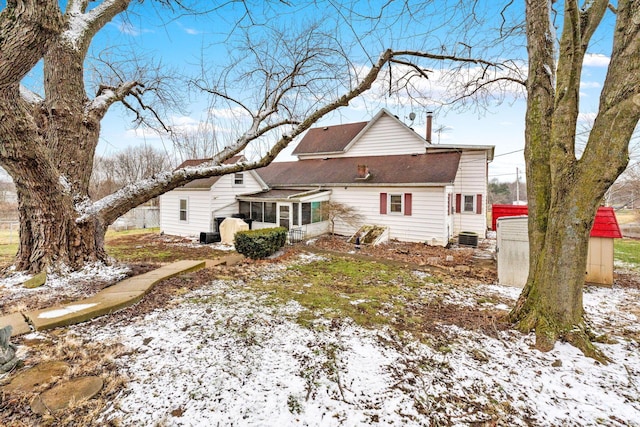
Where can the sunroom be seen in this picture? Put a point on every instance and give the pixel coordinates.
(301, 211)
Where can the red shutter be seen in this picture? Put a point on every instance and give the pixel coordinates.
(407, 204)
(458, 203)
(479, 203)
(383, 203)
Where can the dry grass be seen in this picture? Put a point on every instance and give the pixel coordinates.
(86, 358)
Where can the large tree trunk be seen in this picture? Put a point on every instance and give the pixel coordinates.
(564, 190)
(50, 237)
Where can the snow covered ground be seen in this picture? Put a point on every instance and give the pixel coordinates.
(225, 355)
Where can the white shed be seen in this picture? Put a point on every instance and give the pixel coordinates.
(513, 249)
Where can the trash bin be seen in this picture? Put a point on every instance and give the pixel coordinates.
(207, 237)
(468, 238)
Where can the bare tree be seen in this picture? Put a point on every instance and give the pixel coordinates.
(49, 141)
(127, 167)
(103, 180)
(335, 211)
(134, 164)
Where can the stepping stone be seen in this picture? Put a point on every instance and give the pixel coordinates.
(231, 260)
(63, 395)
(28, 379)
(36, 281)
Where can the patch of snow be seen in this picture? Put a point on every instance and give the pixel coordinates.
(221, 356)
(66, 186)
(70, 309)
(11, 286)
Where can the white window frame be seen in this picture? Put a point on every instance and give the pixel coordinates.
(463, 208)
(185, 210)
(389, 197)
(238, 176)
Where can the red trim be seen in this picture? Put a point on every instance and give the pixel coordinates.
(458, 203)
(479, 203)
(407, 204)
(383, 203)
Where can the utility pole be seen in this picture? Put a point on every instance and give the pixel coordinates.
(517, 186)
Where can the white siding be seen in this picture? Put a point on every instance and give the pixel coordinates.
(471, 179)
(386, 137)
(198, 209)
(203, 205)
(427, 223)
(224, 192)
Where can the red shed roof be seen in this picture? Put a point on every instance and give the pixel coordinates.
(604, 225)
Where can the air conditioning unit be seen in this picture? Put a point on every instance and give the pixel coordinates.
(468, 238)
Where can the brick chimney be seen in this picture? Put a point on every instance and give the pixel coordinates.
(429, 125)
(363, 172)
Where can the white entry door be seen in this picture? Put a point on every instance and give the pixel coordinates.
(284, 215)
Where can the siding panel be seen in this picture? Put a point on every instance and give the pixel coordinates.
(386, 137)
(426, 224)
(471, 180)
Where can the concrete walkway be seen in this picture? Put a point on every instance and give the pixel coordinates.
(108, 300)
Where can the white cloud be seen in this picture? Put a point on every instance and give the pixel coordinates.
(129, 29)
(189, 30)
(596, 60)
(590, 85)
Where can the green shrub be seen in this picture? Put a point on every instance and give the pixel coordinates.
(261, 243)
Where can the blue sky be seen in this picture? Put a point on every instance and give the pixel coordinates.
(181, 42)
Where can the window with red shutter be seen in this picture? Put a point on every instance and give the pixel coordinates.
(383, 203)
(407, 204)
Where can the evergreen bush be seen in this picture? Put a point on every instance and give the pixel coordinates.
(261, 243)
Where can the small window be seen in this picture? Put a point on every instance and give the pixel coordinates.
(469, 203)
(238, 178)
(245, 209)
(183, 209)
(256, 211)
(395, 203)
(270, 212)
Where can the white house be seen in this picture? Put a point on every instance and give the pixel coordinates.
(192, 208)
(422, 192)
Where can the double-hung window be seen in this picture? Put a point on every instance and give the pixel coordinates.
(396, 204)
(183, 209)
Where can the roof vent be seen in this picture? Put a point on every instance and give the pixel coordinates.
(325, 128)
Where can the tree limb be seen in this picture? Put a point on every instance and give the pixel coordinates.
(82, 27)
(25, 34)
(111, 207)
(107, 96)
